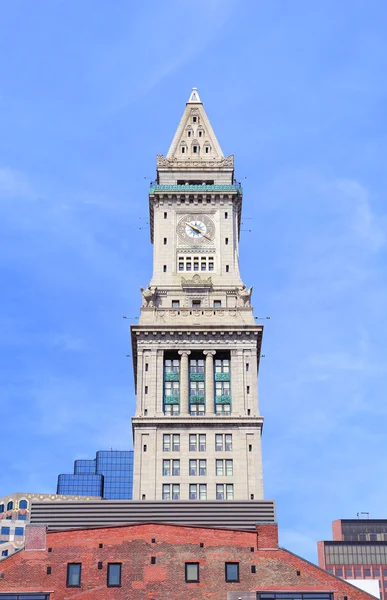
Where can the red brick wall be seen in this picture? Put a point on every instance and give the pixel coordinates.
(267, 535)
(132, 545)
(35, 537)
(337, 531)
(321, 555)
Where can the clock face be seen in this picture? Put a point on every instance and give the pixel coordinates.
(196, 229)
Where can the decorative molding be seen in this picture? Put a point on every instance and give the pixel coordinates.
(196, 281)
(170, 163)
(196, 188)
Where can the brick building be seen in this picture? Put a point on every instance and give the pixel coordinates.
(165, 562)
(358, 552)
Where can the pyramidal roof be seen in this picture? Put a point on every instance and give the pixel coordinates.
(194, 137)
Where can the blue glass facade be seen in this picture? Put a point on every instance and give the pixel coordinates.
(109, 475)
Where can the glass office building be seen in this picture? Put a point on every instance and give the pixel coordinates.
(109, 475)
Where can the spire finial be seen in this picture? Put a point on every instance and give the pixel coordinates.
(194, 97)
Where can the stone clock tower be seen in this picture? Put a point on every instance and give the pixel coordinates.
(197, 428)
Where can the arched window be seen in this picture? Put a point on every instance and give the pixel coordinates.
(23, 504)
(1, 508)
(10, 505)
(195, 148)
(189, 131)
(207, 148)
(200, 132)
(183, 148)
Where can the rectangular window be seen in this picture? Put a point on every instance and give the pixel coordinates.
(357, 572)
(165, 215)
(229, 491)
(193, 468)
(175, 303)
(166, 491)
(226, 215)
(196, 303)
(219, 442)
(165, 241)
(165, 268)
(175, 491)
(232, 572)
(219, 491)
(210, 266)
(166, 468)
(192, 572)
(226, 241)
(203, 491)
(348, 572)
(377, 572)
(227, 268)
(217, 304)
(19, 530)
(229, 468)
(202, 467)
(339, 572)
(219, 468)
(193, 491)
(176, 442)
(228, 442)
(114, 574)
(192, 442)
(166, 442)
(5, 530)
(181, 266)
(172, 366)
(74, 574)
(4, 553)
(196, 366)
(176, 467)
(247, 366)
(202, 442)
(367, 572)
(146, 366)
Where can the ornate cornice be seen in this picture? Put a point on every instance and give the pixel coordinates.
(174, 163)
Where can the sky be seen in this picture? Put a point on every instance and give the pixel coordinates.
(90, 92)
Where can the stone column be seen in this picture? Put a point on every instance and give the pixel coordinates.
(210, 392)
(184, 384)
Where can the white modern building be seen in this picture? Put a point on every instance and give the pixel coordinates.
(196, 348)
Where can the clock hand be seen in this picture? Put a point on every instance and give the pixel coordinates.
(199, 230)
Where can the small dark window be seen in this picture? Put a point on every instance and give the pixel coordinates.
(252, 549)
(367, 572)
(251, 496)
(207, 149)
(165, 215)
(200, 134)
(19, 530)
(192, 572)
(114, 575)
(4, 553)
(145, 411)
(74, 574)
(49, 549)
(182, 149)
(298, 573)
(217, 304)
(227, 268)
(165, 241)
(100, 545)
(100, 565)
(165, 268)
(195, 303)
(226, 241)
(248, 389)
(48, 571)
(153, 540)
(232, 572)
(143, 497)
(226, 215)
(10, 505)
(250, 447)
(153, 560)
(248, 411)
(146, 366)
(189, 134)
(247, 366)
(195, 149)
(175, 303)
(253, 569)
(194, 119)
(144, 447)
(201, 545)
(146, 389)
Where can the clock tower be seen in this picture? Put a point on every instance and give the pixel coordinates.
(196, 348)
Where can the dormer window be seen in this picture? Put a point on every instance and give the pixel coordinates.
(194, 119)
(195, 149)
(189, 134)
(207, 148)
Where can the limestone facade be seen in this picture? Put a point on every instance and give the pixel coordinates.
(196, 348)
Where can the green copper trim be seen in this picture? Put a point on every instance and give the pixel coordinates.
(222, 376)
(195, 188)
(172, 376)
(197, 400)
(196, 376)
(171, 399)
(222, 399)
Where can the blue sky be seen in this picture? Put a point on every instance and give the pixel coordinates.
(90, 92)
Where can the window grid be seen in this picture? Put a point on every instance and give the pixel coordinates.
(195, 263)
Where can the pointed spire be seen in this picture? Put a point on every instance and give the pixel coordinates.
(195, 139)
(194, 97)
